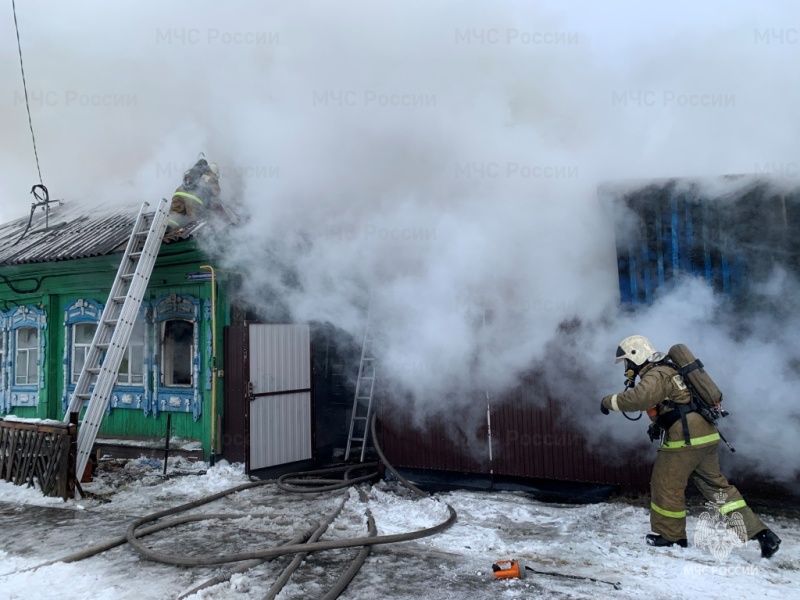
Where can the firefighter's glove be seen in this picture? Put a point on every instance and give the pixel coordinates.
(603, 408)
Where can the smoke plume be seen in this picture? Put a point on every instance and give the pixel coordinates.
(440, 158)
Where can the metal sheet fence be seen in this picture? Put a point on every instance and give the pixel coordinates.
(280, 411)
(280, 356)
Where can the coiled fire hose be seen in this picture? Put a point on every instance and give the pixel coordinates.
(133, 539)
(297, 545)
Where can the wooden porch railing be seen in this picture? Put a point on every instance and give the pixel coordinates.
(38, 452)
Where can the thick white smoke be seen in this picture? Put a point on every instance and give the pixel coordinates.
(445, 156)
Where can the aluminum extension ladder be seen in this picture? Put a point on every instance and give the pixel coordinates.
(96, 381)
(365, 388)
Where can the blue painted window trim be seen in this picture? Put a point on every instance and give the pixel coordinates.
(122, 396)
(79, 311)
(5, 365)
(176, 398)
(150, 397)
(24, 395)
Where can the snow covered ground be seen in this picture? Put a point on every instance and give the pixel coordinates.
(602, 541)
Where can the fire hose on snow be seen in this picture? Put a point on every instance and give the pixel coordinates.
(302, 544)
(133, 538)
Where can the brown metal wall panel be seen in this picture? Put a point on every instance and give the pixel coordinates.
(528, 441)
(235, 414)
(532, 441)
(437, 447)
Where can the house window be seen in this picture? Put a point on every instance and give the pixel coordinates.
(82, 336)
(177, 352)
(131, 369)
(26, 369)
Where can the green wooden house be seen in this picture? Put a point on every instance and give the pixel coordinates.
(279, 392)
(56, 270)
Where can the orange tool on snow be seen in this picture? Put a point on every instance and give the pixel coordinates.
(508, 569)
(512, 568)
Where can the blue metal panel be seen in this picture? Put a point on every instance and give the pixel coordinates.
(678, 233)
(646, 268)
(730, 242)
(687, 255)
(724, 262)
(674, 235)
(660, 245)
(666, 241)
(632, 275)
(706, 246)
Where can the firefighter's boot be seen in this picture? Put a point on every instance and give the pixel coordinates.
(769, 542)
(660, 541)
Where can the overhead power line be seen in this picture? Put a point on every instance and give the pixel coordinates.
(25, 88)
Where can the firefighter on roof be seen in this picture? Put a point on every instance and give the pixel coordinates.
(196, 196)
(688, 447)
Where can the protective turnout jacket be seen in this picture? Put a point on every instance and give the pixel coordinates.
(660, 383)
(662, 387)
(196, 196)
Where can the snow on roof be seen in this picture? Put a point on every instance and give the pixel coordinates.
(72, 230)
(65, 232)
(51, 422)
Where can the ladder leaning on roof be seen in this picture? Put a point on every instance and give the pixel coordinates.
(96, 381)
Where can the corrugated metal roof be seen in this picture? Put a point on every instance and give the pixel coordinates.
(69, 231)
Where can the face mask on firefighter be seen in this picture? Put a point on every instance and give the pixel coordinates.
(631, 370)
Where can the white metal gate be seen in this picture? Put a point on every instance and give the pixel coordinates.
(280, 397)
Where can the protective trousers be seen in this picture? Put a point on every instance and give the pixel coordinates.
(671, 474)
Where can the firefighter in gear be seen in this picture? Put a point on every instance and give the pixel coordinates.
(196, 196)
(688, 447)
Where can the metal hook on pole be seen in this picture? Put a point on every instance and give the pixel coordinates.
(42, 195)
(40, 192)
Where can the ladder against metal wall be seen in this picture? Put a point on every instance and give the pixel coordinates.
(362, 401)
(101, 367)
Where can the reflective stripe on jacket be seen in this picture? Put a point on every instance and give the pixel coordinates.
(190, 196)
